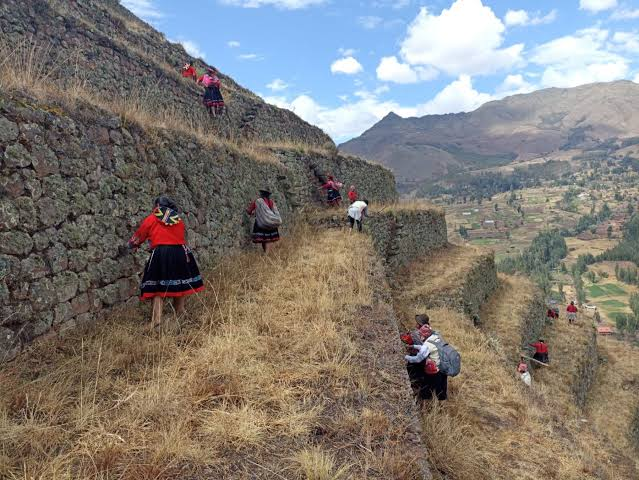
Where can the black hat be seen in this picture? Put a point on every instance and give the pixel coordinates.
(265, 191)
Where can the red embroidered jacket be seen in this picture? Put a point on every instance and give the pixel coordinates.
(158, 233)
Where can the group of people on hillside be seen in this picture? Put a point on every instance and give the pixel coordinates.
(171, 270)
(540, 357)
(212, 99)
(424, 360)
(357, 209)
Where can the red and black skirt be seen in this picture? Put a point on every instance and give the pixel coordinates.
(333, 197)
(213, 97)
(265, 235)
(171, 271)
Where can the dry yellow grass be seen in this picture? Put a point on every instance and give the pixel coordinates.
(434, 277)
(269, 380)
(501, 314)
(140, 106)
(614, 399)
(493, 426)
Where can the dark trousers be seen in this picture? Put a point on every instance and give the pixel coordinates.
(434, 385)
(352, 222)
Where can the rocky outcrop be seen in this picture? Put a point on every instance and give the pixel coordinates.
(100, 46)
(74, 184)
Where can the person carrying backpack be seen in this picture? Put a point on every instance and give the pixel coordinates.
(267, 220)
(433, 380)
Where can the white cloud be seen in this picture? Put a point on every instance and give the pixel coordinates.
(250, 56)
(277, 85)
(513, 85)
(283, 4)
(352, 118)
(192, 48)
(370, 22)
(458, 96)
(145, 9)
(464, 39)
(347, 66)
(586, 56)
(233, 44)
(626, 42)
(636, 79)
(597, 5)
(392, 70)
(523, 18)
(346, 52)
(625, 14)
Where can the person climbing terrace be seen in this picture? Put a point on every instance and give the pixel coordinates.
(332, 186)
(571, 312)
(171, 270)
(541, 351)
(213, 100)
(352, 194)
(267, 220)
(356, 213)
(189, 71)
(433, 381)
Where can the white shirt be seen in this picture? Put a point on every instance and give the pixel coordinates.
(357, 210)
(422, 354)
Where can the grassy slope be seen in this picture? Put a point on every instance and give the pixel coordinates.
(492, 426)
(269, 380)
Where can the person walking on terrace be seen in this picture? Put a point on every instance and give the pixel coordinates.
(541, 351)
(352, 194)
(356, 213)
(171, 270)
(213, 100)
(267, 220)
(571, 312)
(524, 374)
(433, 382)
(188, 71)
(332, 186)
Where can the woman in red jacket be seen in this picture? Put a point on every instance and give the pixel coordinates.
(541, 351)
(171, 270)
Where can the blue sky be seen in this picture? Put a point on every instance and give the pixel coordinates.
(343, 65)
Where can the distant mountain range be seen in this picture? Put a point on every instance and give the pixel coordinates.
(520, 127)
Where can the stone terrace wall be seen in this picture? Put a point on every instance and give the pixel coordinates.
(586, 369)
(532, 324)
(405, 235)
(118, 55)
(74, 186)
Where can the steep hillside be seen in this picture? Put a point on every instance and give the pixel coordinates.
(518, 127)
(102, 47)
(268, 381)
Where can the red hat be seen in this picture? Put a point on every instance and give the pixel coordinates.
(425, 331)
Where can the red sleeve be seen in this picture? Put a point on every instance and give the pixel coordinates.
(199, 80)
(251, 208)
(216, 82)
(325, 186)
(142, 233)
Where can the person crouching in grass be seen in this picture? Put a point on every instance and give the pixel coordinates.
(171, 270)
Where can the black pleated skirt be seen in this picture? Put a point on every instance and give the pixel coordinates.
(171, 271)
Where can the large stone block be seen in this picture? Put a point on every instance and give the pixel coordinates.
(16, 156)
(15, 243)
(8, 130)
